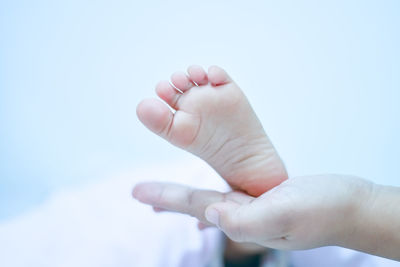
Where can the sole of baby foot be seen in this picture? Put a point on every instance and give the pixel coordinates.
(207, 114)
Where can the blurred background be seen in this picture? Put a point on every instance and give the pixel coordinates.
(323, 77)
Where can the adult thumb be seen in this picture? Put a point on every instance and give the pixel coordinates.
(228, 217)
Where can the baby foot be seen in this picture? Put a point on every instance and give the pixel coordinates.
(213, 120)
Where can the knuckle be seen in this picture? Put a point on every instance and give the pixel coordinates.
(193, 204)
(191, 197)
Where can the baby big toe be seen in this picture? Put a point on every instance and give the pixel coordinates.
(155, 115)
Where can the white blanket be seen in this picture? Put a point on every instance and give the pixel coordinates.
(101, 225)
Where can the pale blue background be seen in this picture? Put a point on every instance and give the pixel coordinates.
(323, 76)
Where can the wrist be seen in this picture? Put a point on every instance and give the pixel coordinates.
(359, 233)
(361, 196)
(376, 231)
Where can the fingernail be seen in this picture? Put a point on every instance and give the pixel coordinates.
(212, 216)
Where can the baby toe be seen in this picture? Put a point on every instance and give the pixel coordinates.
(181, 81)
(218, 76)
(198, 75)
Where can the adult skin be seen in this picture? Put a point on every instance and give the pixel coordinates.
(301, 213)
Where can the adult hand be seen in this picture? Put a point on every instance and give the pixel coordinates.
(301, 213)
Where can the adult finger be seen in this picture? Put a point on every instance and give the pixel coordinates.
(177, 198)
(184, 199)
